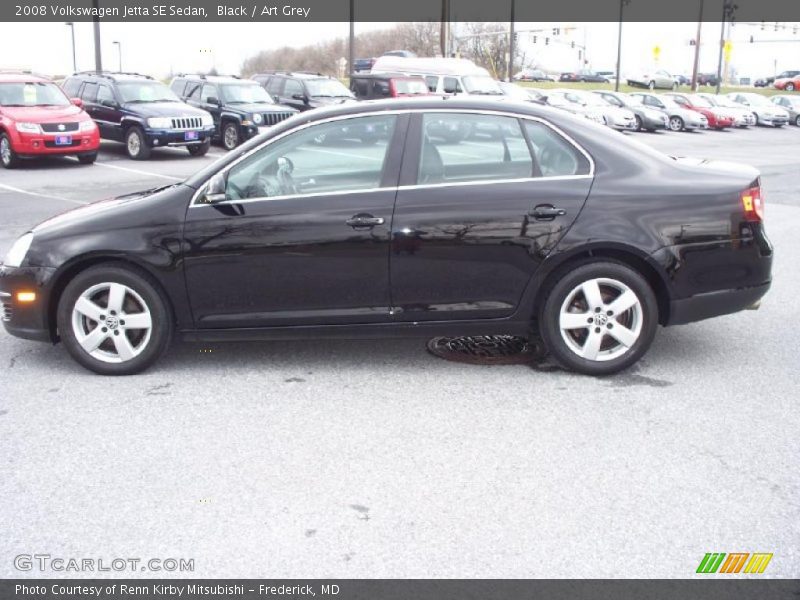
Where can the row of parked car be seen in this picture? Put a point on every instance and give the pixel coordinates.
(39, 117)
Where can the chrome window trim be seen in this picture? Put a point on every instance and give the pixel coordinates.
(195, 204)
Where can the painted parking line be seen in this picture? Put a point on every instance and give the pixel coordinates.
(139, 171)
(38, 195)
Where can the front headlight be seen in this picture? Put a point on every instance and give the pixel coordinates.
(18, 251)
(87, 126)
(257, 118)
(159, 122)
(29, 128)
(208, 121)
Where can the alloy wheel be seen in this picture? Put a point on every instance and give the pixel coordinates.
(230, 137)
(112, 322)
(601, 319)
(134, 144)
(5, 151)
(675, 123)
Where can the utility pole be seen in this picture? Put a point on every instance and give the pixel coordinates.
(119, 48)
(511, 45)
(98, 59)
(352, 43)
(71, 26)
(444, 32)
(728, 7)
(622, 4)
(697, 48)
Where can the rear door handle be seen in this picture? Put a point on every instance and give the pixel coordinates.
(364, 221)
(547, 212)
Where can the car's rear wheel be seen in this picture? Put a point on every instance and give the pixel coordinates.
(199, 149)
(8, 158)
(789, 87)
(136, 145)
(676, 124)
(675, 86)
(87, 159)
(113, 320)
(652, 85)
(230, 136)
(639, 124)
(797, 120)
(598, 318)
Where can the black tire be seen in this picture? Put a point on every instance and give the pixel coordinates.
(154, 300)
(676, 124)
(199, 149)
(797, 120)
(136, 144)
(230, 136)
(87, 159)
(639, 124)
(652, 85)
(8, 158)
(789, 87)
(560, 289)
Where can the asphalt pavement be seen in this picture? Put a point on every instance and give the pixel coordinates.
(376, 459)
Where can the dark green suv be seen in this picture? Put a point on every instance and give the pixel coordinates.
(241, 108)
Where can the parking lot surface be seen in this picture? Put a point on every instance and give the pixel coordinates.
(376, 459)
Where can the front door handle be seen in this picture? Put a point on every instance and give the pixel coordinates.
(547, 212)
(364, 221)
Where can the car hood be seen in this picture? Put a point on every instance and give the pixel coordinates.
(165, 109)
(44, 114)
(774, 111)
(89, 211)
(262, 107)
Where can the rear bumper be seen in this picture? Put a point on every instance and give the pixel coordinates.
(715, 304)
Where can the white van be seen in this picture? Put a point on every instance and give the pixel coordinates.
(443, 75)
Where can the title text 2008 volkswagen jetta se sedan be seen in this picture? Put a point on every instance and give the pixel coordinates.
(420, 217)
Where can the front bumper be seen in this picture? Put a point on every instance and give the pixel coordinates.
(171, 137)
(774, 121)
(28, 320)
(28, 145)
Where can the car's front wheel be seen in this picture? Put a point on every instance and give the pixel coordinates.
(797, 120)
(230, 136)
(8, 158)
(136, 145)
(199, 149)
(87, 159)
(789, 87)
(639, 124)
(113, 320)
(652, 85)
(598, 318)
(676, 124)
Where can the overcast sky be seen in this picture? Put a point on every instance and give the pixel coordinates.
(161, 48)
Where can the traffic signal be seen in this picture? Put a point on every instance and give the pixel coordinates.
(516, 36)
(546, 41)
(555, 30)
(751, 39)
(572, 44)
(534, 39)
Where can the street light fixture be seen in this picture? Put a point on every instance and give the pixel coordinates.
(119, 48)
(71, 26)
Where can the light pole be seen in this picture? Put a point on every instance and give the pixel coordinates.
(351, 53)
(697, 48)
(511, 45)
(622, 4)
(98, 55)
(119, 49)
(728, 8)
(71, 26)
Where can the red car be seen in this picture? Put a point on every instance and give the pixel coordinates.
(789, 81)
(716, 119)
(37, 119)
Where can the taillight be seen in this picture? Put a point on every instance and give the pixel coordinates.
(753, 204)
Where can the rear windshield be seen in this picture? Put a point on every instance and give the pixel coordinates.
(32, 94)
(327, 87)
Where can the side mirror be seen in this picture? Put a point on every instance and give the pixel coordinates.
(212, 100)
(109, 103)
(215, 190)
(301, 97)
(77, 102)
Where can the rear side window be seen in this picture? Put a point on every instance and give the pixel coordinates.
(193, 90)
(89, 92)
(274, 85)
(468, 148)
(178, 86)
(381, 88)
(71, 87)
(452, 85)
(554, 155)
(293, 87)
(104, 93)
(361, 87)
(432, 82)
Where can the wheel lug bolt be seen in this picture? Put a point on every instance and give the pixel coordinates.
(597, 310)
(122, 322)
(113, 312)
(609, 326)
(590, 320)
(102, 317)
(611, 312)
(105, 329)
(597, 330)
(116, 332)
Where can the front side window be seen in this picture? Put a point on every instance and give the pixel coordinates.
(89, 92)
(471, 148)
(343, 155)
(245, 93)
(209, 95)
(104, 94)
(555, 156)
(293, 88)
(193, 91)
(451, 85)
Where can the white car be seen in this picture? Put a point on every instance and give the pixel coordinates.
(557, 99)
(766, 112)
(680, 118)
(613, 116)
(654, 79)
(742, 117)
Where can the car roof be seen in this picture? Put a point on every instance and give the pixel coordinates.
(215, 78)
(384, 76)
(294, 74)
(13, 77)
(112, 76)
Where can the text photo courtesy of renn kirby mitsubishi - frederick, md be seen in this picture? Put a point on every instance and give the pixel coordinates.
(428, 299)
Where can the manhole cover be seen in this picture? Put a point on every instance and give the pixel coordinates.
(485, 349)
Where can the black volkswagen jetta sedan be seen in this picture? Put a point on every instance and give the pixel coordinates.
(534, 222)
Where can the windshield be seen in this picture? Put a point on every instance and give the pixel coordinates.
(481, 84)
(410, 86)
(557, 100)
(514, 91)
(327, 88)
(32, 94)
(794, 101)
(702, 102)
(245, 93)
(669, 102)
(145, 91)
(592, 100)
(756, 99)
